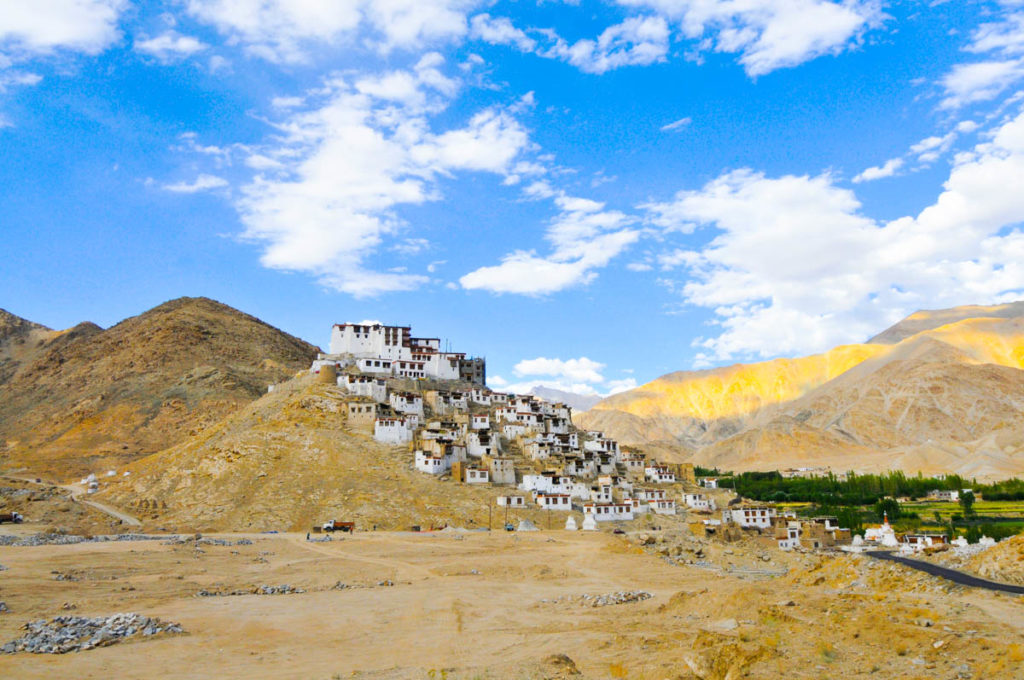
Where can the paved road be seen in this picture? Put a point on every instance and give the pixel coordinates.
(950, 574)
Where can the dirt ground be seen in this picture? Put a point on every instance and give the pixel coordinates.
(499, 605)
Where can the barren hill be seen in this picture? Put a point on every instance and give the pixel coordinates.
(287, 461)
(946, 398)
(87, 398)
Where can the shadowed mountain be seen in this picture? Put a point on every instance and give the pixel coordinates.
(86, 398)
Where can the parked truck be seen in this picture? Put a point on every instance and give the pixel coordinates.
(335, 525)
(12, 517)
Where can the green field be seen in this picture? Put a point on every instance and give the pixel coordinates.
(927, 509)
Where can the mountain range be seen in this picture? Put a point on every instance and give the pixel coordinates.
(940, 391)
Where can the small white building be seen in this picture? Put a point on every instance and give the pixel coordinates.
(479, 444)
(537, 449)
(601, 494)
(546, 483)
(659, 474)
(709, 482)
(759, 517)
(391, 431)
(951, 495)
(553, 501)
(513, 430)
(476, 475)
(377, 365)
(608, 512)
(698, 501)
(792, 539)
(648, 495)
(480, 421)
(432, 464)
(665, 506)
(512, 501)
(406, 402)
(365, 386)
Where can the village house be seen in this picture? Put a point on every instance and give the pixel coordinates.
(406, 402)
(553, 501)
(432, 464)
(760, 517)
(503, 469)
(479, 421)
(470, 474)
(546, 482)
(665, 506)
(513, 430)
(365, 386)
(374, 366)
(535, 449)
(391, 431)
(608, 512)
(479, 444)
(361, 414)
(512, 501)
(787, 535)
(698, 501)
(949, 495)
(709, 482)
(635, 464)
(659, 474)
(648, 495)
(601, 493)
(638, 506)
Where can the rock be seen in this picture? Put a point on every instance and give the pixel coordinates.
(646, 539)
(77, 633)
(725, 625)
(924, 623)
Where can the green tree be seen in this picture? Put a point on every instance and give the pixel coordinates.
(967, 503)
(889, 507)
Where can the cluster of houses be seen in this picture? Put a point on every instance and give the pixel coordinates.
(407, 392)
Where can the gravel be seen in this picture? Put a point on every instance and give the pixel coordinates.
(78, 633)
(620, 597)
(70, 539)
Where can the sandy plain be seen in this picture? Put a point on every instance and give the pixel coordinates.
(500, 605)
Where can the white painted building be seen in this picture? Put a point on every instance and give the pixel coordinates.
(391, 431)
(546, 483)
(709, 482)
(513, 430)
(479, 421)
(759, 517)
(380, 366)
(476, 475)
(406, 402)
(365, 386)
(665, 506)
(659, 474)
(648, 495)
(512, 501)
(537, 450)
(792, 539)
(698, 501)
(553, 501)
(608, 512)
(432, 464)
(479, 444)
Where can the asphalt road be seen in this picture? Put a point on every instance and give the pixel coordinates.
(950, 574)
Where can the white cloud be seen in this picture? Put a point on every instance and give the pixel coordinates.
(352, 154)
(45, 26)
(796, 268)
(284, 30)
(887, 169)
(500, 31)
(616, 386)
(584, 237)
(202, 183)
(637, 41)
(770, 34)
(578, 370)
(170, 46)
(979, 81)
(677, 124)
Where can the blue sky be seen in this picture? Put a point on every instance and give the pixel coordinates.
(590, 194)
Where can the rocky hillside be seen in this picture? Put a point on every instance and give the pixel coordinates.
(88, 398)
(287, 461)
(939, 392)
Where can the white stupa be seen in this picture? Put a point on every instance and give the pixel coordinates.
(589, 523)
(570, 523)
(886, 536)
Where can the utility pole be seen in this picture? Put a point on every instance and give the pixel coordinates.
(488, 516)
